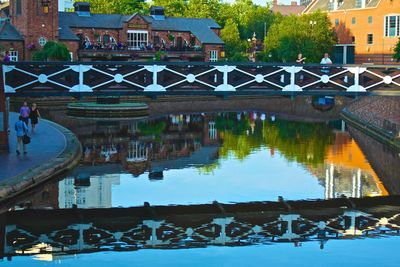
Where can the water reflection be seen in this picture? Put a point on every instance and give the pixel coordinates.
(193, 159)
(194, 156)
(79, 230)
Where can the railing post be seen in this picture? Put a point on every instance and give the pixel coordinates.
(3, 114)
(292, 87)
(356, 87)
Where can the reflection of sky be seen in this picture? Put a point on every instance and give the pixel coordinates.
(359, 252)
(259, 177)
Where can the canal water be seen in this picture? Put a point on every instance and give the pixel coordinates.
(184, 160)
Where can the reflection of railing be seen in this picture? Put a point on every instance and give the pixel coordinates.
(76, 230)
(197, 78)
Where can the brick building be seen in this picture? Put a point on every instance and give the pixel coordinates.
(28, 25)
(373, 26)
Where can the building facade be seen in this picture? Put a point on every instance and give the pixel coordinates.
(30, 24)
(373, 26)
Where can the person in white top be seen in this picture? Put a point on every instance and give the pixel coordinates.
(326, 59)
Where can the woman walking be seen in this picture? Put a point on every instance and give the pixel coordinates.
(34, 115)
(21, 129)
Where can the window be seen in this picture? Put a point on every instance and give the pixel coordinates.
(353, 20)
(358, 3)
(42, 41)
(337, 22)
(353, 39)
(13, 56)
(213, 55)
(392, 26)
(370, 38)
(137, 39)
(370, 20)
(18, 7)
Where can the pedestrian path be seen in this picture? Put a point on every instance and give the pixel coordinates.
(47, 143)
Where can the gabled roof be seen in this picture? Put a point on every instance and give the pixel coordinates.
(288, 9)
(201, 28)
(323, 5)
(9, 32)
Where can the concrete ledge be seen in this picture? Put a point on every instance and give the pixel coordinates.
(66, 160)
(377, 133)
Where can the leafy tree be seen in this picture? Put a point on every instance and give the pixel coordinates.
(203, 9)
(173, 8)
(230, 35)
(126, 7)
(52, 51)
(397, 51)
(293, 34)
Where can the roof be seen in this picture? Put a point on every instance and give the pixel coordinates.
(323, 5)
(8, 32)
(201, 28)
(288, 9)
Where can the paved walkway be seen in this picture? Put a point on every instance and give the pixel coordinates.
(46, 144)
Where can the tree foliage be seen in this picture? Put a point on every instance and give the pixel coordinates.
(231, 36)
(126, 7)
(397, 51)
(312, 35)
(52, 51)
(284, 36)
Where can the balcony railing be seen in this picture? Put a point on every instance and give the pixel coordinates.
(144, 53)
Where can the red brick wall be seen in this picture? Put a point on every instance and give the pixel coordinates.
(14, 46)
(3, 132)
(73, 47)
(34, 23)
(207, 48)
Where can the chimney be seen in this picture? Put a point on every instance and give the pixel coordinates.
(293, 3)
(157, 12)
(274, 2)
(82, 9)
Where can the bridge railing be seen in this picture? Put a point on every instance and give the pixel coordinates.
(197, 78)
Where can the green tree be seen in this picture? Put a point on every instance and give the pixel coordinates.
(230, 35)
(173, 8)
(312, 35)
(397, 51)
(52, 51)
(203, 9)
(126, 7)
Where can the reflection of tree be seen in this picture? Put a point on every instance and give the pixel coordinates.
(305, 143)
(208, 169)
(152, 128)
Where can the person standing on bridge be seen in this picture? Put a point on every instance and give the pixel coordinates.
(24, 112)
(34, 115)
(22, 130)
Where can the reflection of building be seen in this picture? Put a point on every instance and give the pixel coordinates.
(97, 194)
(373, 26)
(346, 171)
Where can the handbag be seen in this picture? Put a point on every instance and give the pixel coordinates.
(26, 139)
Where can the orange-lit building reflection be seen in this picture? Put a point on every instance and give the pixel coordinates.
(347, 171)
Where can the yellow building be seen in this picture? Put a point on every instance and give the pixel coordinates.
(373, 26)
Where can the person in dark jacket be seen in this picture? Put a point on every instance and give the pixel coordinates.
(21, 130)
